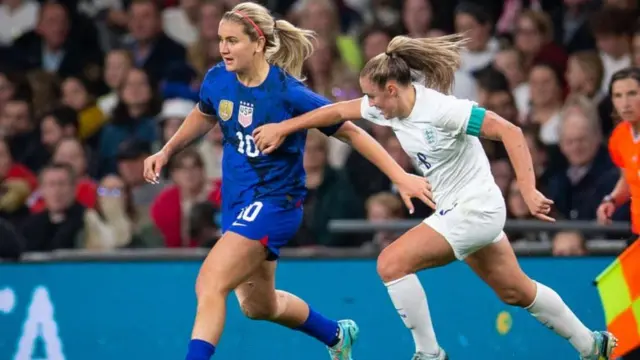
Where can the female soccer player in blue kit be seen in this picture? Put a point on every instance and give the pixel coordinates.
(262, 195)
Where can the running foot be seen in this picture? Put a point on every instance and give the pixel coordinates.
(604, 344)
(422, 356)
(348, 336)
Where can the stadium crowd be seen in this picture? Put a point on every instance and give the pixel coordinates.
(90, 88)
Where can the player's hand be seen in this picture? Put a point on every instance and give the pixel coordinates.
(605, 212)
(268, 137)
(413, 186)
(538, 204)
(153, 165)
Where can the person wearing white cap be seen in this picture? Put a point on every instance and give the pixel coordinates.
(173, 113)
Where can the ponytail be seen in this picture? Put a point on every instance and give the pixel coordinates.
(436, 59)
(293, 47)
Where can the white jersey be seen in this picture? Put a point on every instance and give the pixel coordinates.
(440, 136)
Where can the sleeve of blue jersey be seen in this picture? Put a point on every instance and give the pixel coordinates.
(303, 100)
(205, 105)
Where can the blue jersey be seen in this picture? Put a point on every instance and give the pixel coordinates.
(247, 174)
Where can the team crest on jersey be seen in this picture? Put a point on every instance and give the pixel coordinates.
(431, 136)
(225, 110)
(245, 114)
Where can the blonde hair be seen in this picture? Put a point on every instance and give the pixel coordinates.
(437, 60)
(286, 45)
(591, 63)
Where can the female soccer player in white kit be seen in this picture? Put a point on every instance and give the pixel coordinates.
(440, 133)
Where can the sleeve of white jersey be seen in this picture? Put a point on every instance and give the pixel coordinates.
(371, 113)
(458, 116)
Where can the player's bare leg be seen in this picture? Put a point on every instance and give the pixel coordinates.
(259, 300)
(417, 249)
(229, 263)
(497, 265)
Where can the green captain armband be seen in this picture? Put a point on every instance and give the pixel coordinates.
(475, 120)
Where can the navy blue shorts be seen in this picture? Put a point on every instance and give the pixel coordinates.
(263, 221)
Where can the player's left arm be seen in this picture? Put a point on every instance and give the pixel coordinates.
(495, 127)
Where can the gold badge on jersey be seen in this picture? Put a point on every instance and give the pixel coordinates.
(225, 110)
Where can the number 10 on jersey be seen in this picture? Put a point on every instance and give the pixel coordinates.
(246, 145)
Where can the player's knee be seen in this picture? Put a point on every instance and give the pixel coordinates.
(208, 289)
(258, 311)
(390, 269)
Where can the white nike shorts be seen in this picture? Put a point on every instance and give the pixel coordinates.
(472, 222)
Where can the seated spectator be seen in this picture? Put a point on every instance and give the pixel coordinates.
(324, 66)
(133, 118)
(180, 22)
(19, 128)
(568, 243)
(476, 22)
(116, 67)
(60, 123)
(330, 196)
(131, 155)
(210, 149)
(11, 242)
(204, 229)
(174, 111)
(76, 95)
(205, 52)
(152, 49)
(17, 17)
(12, 84)
(16, 183)
(374, 40)
(381, 207)
(503, 174)
(547, 98)
(171, 210)
(534, 40)
(59, 226)
(70, 152)
(517, 210)
(417, 18)
(578, 188)
(509, 62)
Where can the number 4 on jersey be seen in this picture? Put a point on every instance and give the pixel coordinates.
(246, 145)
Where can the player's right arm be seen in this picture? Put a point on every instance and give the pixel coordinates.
(269, 137)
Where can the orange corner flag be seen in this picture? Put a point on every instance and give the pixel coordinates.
(619, 289)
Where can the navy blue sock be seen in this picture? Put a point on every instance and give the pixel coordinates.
(200, 350)
(321, 328)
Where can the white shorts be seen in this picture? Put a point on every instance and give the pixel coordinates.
(472, 222)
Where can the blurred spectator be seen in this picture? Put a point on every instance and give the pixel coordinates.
(489, 80)
(547, 97)
(612, 29)
(578, 188)
(59, 226)
(510, 62)
(18, 126)
(503, 174)
(584, 75)
(12, 85)
(539, 156)
(381, 207)
(571, 28)
(132, 118)
(330, 196)
(322, 17)
(324, 66)
(110, 225)
(45, 91)
(635, 47)
(374, 40)
(210, 150)
(17, 17)
(57, 124)
(473, 20)
(16, 183)
(70, 152)
(171, 210)
(534, 40)
(568, 243)
(204, 229)
(517, 210)
(11, 242)
(50, 47)
(174, 111)
(152, 49)
(117, 66)
(76, 95)
(417, 16)
(180, 22)
(131, 155)
(205, 52)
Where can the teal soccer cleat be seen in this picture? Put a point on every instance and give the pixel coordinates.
(349, 334)
(422, 356)
(604, 344)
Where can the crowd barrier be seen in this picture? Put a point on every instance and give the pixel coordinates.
(140, 305)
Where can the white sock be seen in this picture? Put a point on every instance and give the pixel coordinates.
(551, 311)
(410, 300)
